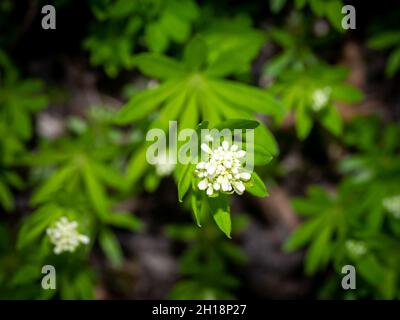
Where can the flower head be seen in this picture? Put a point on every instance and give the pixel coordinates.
(320, 98)
(392, 205)
(65, 237)
(356, 248)
(222, 170)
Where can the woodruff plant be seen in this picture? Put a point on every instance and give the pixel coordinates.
(311, 93)
(358, 223)
(75, 208)
(123, 25)
(221, 173)
(192, 91)
(205, 263)
(19, 99)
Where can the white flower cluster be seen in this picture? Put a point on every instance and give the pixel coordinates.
(320, 98)
(392, 205)
(357, 248)
(222, 169)
(65, 237)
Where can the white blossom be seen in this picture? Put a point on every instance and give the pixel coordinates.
(320, 98)
(222, 170)
(392, 205)
(357, 248)
(65, 237)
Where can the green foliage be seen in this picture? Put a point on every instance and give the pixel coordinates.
(388, 40)
(296, 52)
(205, 264)
(203, 61)
(330, 9)
(76, 175)
(194, 91)
(198, 80)
(311, 94)
(123, 25)
(359, 223)
(233, 44)
(19, 100)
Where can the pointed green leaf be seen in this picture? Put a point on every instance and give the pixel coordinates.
(110, 246)
(332, 120)
(159, 66)
(95, 190)
(195, 54)
(256, 186)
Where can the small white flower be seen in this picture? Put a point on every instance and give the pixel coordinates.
(65, 237)
(222, 169)
(357, 248)
(320, 98)
(392, 205)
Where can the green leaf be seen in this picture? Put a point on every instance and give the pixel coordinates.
(110, 246)
(123, 220)
(302, 235)
(237, 124)
(155, 37)
(303, 122)
(196, 207)
(176, 28)
(393, 63)
(189, 117)
(53, 184)
(223, 220)
(159, 66)
(264, 138)
(227, 63)
(109, 175)
(278, 63)
(25, 275)
(332, 120)
(346, 93)
(94, 188)
(384, 40)
(185, 180)
(137, 165)
(195, 54)
(220, 210)
(277, 5)
(333, 11)
(247, 97)
(318, 251)
(36, 224)
(144, 102)
(256, 186)
(261, 155)
(6, 197)
(283, 37)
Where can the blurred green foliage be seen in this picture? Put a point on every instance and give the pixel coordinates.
(388, 40)
(208, 65)
(205, 263)
(358, 223)
(311, 93)
(19, 99)
(124, 25)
